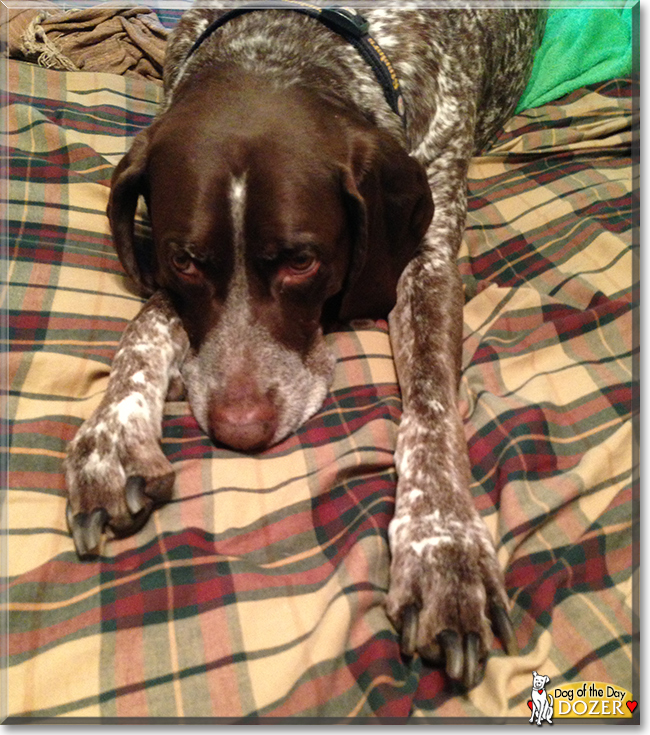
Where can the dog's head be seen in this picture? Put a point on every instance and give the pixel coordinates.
(272, 211)
(539, 681)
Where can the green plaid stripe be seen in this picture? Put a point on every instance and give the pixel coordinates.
(258, 590)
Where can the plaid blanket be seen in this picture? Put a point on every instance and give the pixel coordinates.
(257, 592)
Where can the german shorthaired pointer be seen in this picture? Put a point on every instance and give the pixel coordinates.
(304, 171)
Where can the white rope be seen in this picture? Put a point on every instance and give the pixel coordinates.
(36, 43)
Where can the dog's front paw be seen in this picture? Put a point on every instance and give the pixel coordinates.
(446, 587)
(116, 475)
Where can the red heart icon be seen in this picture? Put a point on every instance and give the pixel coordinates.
(632, 705)
(530, 704)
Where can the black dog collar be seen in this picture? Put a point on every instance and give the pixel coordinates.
(347, 23)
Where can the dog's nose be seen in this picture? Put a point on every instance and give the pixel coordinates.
(242, 417)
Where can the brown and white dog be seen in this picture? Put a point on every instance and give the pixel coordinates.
(286, 194)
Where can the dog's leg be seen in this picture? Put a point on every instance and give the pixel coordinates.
(116, 472)
(446, 582)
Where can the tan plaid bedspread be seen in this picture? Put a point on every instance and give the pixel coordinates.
(258, 591)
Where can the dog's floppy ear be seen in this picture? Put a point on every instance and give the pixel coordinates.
(389, 208)
(127, 185)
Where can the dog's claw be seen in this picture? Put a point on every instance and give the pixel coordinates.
(408, 640)
(78, 536)
(452, 646)
(86, 530)
(135, 497)
(505, 630)
(94, 529)
(472, 671)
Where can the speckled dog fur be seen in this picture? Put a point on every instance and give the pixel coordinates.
(462, 72)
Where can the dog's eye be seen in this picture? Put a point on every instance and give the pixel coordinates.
(184, 263)
(302, 264)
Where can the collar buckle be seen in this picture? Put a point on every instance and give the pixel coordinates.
(347, 20)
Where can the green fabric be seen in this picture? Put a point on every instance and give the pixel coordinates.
(580, 46)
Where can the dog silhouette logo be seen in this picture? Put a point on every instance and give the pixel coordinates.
(541, 704)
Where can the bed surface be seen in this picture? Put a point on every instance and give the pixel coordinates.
(257, 592)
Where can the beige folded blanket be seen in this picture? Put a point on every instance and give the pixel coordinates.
(122, 41)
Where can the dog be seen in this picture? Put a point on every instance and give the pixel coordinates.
(542, 702)
(308, 167)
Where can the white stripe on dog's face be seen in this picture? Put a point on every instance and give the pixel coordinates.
(237, 201)
(237, 197)
(237, 312)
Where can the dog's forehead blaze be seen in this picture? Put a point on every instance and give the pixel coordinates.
(237, 201)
